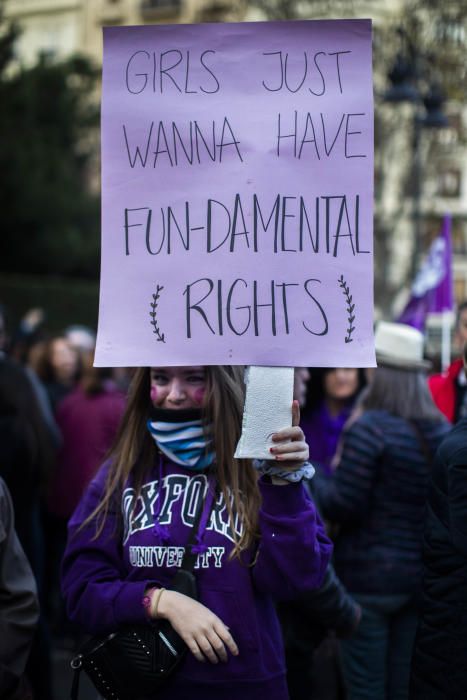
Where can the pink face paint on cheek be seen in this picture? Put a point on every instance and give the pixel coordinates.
(199, 396)
(153, 394)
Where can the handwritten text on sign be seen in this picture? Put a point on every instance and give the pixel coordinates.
(237, 167)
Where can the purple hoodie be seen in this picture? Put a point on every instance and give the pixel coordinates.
(104, 579)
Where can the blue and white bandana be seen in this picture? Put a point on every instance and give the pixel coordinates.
(182, 440)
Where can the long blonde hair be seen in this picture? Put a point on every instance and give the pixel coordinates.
(134, 451)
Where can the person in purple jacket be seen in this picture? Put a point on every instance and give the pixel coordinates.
(259, 540)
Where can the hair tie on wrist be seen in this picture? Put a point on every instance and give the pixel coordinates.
(155, 602)
(271, 469)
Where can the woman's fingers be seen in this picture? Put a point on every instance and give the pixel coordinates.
(297, 457)
(205, 634)
(290, 445)
(287, 448)
(291, 452)
(292, 434)
(217, 644)
(206, 647)
(195, 650)
(211, 644)
(227, 638)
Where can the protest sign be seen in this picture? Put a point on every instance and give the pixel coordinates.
(237, 191)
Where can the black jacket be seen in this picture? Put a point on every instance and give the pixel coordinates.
(306, 621)
(439, 665)
(377, 495)
(19, 608)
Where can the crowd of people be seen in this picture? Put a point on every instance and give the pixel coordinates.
(58, 418)
(343, 580)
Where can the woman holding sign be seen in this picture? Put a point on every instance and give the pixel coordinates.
(258, 538)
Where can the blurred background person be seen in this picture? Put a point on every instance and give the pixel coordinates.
(26, 337)
(56, 363)
(19, 607)
(26, 459)
(330, 399)
(313, 671)
(377, 496)
(26, 455)
(439, 665)
(310, 624)
(122, 378)
(3, 330)
(30, 330)
(449, 389)
(88, 418)
(82, 338)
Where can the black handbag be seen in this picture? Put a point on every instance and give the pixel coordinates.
(137, 660)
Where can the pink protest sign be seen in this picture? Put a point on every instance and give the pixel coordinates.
(237, 190)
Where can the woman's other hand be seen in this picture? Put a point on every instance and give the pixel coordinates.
(290, 450)
(203, 632)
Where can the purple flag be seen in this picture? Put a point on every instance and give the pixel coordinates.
(432, 291)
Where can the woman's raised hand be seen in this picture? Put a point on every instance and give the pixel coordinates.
(203, 632)
(290, 450)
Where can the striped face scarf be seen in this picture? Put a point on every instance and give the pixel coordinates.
(180, 436)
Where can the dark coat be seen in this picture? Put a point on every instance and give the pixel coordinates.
(377, 495)
(439, 668)
(305, 623)
(19, 607)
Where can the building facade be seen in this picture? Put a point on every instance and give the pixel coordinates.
(415, 184)
(59, 28)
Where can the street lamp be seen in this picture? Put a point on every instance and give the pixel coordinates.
(403, 77)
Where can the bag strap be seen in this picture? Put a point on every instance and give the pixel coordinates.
(205, 507)
(76, 665)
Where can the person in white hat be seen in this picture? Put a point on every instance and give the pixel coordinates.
(377, 496)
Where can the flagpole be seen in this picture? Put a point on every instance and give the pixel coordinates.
(445, 340)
